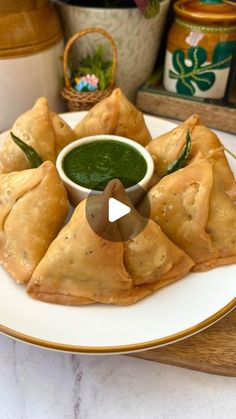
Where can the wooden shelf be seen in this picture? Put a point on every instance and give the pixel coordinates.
(158, 101)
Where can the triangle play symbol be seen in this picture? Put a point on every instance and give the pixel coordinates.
(116, 209)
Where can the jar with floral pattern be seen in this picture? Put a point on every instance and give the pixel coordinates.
(200, 47)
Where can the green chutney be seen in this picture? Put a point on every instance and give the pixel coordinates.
(94, 164)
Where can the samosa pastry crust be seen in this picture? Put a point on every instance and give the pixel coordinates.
(149, 256)
(195, 212)
(206, 141)
(115, 115)
(64, 134)
(40, 128)
(166, 148)
(81, 267)
(33, 207)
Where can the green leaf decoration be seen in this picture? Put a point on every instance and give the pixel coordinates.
(198, 56)
(95, 64)
(222, 54)
(32, 155)
(150, 8)
(205, 80)
(179, 61)
(182, 157)
(197, 72)
(185, 87)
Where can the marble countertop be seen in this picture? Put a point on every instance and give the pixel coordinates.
(37, 383)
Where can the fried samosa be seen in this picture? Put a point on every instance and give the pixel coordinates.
(206, 141)
(194, 211)
(117, 116)
(40, 128)
(33, 207)
(166, 148)
(117, 264)
(149, 256)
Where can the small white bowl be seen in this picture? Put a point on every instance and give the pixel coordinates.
(77, 193)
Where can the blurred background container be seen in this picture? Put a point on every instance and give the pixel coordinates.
(200, 47)
(31, 44)
(137, 38)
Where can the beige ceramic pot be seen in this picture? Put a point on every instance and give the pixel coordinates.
(137, 38)
(30, 64)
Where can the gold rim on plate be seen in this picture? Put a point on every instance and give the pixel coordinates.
(123, 348)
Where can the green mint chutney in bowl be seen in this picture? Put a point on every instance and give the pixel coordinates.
(88, 165)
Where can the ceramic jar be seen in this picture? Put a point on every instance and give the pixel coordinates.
(31, 45)
(200, 46)
(137, 38)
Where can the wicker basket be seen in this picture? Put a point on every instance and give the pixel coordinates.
(78, 101)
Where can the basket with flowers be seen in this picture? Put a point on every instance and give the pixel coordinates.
(94, 77)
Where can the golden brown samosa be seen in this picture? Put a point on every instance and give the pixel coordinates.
(206, 141)
(40, 128)
(166, 148)
(193, 209)
(115, 115)
(83, 267)
(33, 207)
(149, 256)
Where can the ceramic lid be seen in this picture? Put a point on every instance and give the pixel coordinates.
(206, 11)
(28, 32)
(21, 5)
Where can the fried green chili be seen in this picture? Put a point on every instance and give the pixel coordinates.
(182, 157)
(32, 155)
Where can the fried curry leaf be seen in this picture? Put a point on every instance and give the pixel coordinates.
(32, 155)
(182, 157)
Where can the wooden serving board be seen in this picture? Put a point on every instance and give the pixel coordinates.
(212, 351)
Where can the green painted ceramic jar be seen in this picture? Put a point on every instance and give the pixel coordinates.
(200, 46)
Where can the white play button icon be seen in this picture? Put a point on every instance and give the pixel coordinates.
(109, 214)
(116, 210)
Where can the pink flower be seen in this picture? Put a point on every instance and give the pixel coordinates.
(91, 79)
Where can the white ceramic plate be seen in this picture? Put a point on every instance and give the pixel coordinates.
(171, 314)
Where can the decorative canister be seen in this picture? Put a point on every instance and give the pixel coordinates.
(200, 46)
(137, 38)
(31, 47)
